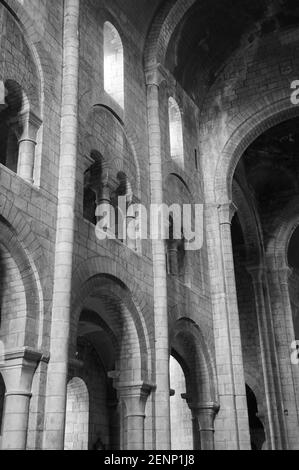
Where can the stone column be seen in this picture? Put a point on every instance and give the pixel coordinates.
(266, 340)
(162, 400)
(131, 227)
(60, 326)
(17, 371)
(28, 125)
(283, 326)
(203, 417)
(172, 251)
(232, 426)
(104, 205)
(188, 277)
(133, 398)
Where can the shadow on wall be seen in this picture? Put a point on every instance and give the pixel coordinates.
(2, 397)
(257, 432)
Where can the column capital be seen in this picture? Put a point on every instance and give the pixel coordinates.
(131, 389)
(226, 211)
(23, 355)
(284, 273)
(26, 125)
(213, 407)
(134, 396)
(205, 414)
(155, 75)
(18, 369)
(256, 272)
(280, 268)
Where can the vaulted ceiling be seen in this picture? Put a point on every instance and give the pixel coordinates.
(271, 166)
(213, 30)
(209, 33)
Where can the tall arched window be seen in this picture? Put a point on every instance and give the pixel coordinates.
(77, 416)
(113, 64)
(176, 132)
(181, 419)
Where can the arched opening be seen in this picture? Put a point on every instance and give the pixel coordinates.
(77, 416)
(113, 64)
(108, 356)
(12, 301)
(180, 414)
(117, 175)
(109, 200)
(249, 326)
(176, 133)
(191, 371)
(264, 183)
(257, 432)
(20, 314)
(10, 125)
(19, 128)
(96, 351)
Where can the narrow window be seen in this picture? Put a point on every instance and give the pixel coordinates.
(113, 64)
(176, 133)
(196, 159)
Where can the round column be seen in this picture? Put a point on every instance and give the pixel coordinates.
(17, 371)
(29, 125)
(55, 408)
(133, 399)
(203, 417)
(162, 399)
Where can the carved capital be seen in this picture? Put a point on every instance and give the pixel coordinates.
(18, 369)
(256, 272)
(27, 125)
(226, 212)
(205, 413)
(284, 274)
(155, 75)
(134, 396)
